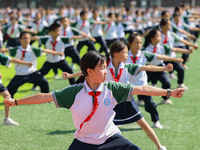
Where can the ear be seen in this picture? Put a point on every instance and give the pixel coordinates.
(89, 71)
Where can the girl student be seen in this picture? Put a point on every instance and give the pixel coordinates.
(168, 38)
(92, 100)
(5, 60)
(25, 74)
(118, 71)
(152, 45)
(137, 56)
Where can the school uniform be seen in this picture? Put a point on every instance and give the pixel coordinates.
(126, 112)
(120, 32)
(169, 40)
(139, 27)
(50, 19)
(55, 61)
(25, 74)
(129, 27)
(159, 76)
(94, 130)
(70, 50)
(4, 60)
(141, 79)
(84, 26)
(110, 30)
(13, 33)
(97, 33)
(41, 26)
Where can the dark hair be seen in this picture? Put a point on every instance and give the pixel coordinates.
(131, 38)
(83, 12)
(151, 35)
(63, 19)
(110, 14)
(177, 8)
(54, 26)
(89, 60)
(115, 47)
(164, 12)
(22, 34)
(163, 22)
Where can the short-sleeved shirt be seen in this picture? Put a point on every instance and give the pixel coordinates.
(110, 30)
(13, 33)
(128, 70)
(59, 47)
(100, 127)
(96, 29)
(69, 33)
(31, 55)
(40, 26)
(128, 23)
(161, 49)
(4, 60)
(141, 78)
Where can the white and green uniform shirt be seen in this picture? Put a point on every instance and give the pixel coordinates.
(67, 32)
(128, 70)
(40, 26)
(161, 49)
(96, 29)
(100, 127)
(4, 60)
(13, 31)
(110, 30)
(143, 57)
(58, 46)
(128, 23)
(30, 55)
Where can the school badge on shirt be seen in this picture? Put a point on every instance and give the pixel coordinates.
(107, 102)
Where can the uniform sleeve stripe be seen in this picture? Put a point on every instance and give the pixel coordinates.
(130, 94)
(55, 100)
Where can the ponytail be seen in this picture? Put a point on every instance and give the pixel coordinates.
(148, 38)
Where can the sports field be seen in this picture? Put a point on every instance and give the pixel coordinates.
(43, 127)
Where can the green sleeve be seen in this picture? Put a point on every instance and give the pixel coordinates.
(5, 28)
(4, 60)
(73, 24)
(124, 25)
(21, 28)
(66, 97)
(176, 37)
(43, 39)
(91, 21)
(37, 51)
(13, 51)
(133, 69)
(121, 92)
(65, 40)
(174, 28)
(167, 49)
(186, 20)
(149, 56)
(186, 27)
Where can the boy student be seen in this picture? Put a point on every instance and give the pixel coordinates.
(84, 25)
(26, 74)
(57, 44)
(13, 31)
(5, 60)
(92, 100)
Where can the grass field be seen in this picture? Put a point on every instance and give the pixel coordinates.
(43, 127)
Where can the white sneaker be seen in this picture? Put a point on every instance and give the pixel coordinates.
(140, 102)
(168, 101)
(182, 86)
(34, 88)
(157, 125)
(56, 76)
(172, 76)
(9, 121)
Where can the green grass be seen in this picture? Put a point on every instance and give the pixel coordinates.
(44, 127)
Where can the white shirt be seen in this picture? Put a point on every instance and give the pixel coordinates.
(69, 34)
(96, 29)
(110, 30)
(83, 26)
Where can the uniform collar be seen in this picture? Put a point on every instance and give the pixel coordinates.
(137, 55)
(88, 89)
(121, 65)
(57, 39)
(26, 49)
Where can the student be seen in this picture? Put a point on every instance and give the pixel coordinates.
(24, 74)
(93, 129)
(5, 60)
(118, 71)
(168, 39)
(84, 25)
(152, 45)
(57, 44)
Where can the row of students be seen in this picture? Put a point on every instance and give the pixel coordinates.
(93, 130)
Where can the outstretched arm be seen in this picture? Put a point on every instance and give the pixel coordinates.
(150, 133)
(35, 99)
(52, 52)
(4, 50)
(154, 91)
(66, 75)
(167, 58)
(153, 68)
(189, 43)
(17, 61)
(181, 50)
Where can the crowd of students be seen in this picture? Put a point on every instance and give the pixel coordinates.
(128, 67)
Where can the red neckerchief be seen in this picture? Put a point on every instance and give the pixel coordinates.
(154, 49)
(95, 105)
(82, 25)
(119, 75)
(54, 46)
(23, 54)
(135, 59)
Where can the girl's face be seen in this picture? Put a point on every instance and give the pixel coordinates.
(25, 39)
(136, 45)
(122, 56)
(157, 37)
(167, 27)
(65, 22)
(56, 32)
(99, 73)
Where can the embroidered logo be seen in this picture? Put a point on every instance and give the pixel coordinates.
(107, 102)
